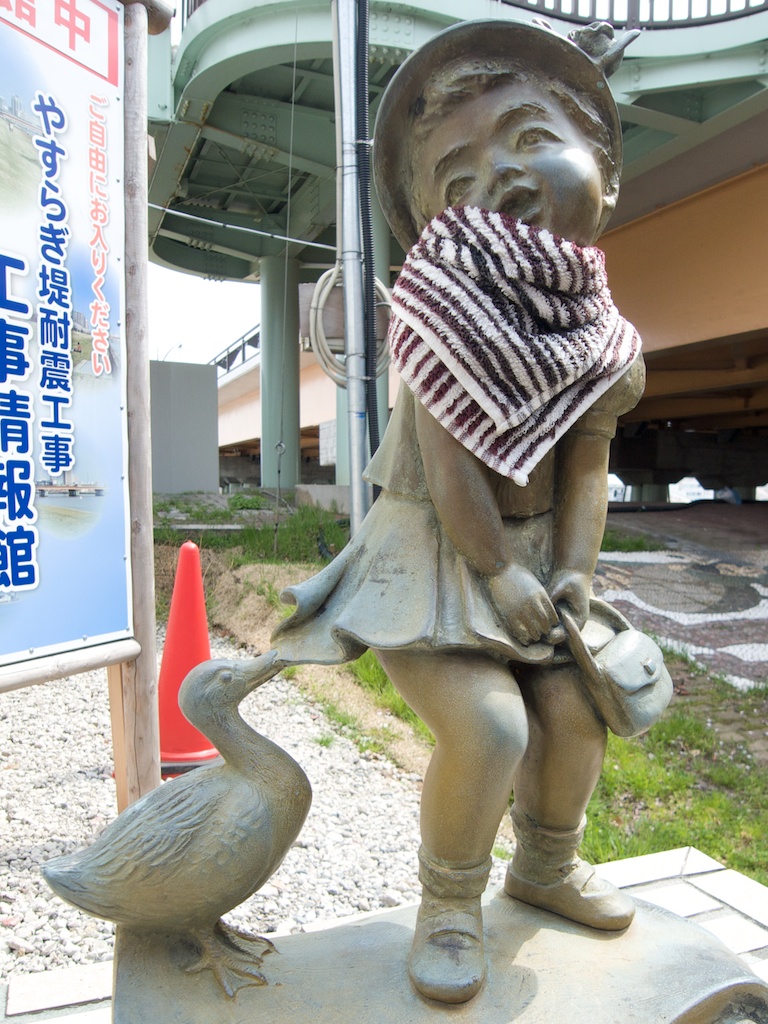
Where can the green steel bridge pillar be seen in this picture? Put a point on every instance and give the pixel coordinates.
(280, 444)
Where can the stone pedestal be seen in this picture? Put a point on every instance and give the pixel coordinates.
(541, 970)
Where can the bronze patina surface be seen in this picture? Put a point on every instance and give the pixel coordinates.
(457, 576)
(541, 969)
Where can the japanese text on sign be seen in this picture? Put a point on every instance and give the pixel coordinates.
(18, 534)
(54, 290)
(83, 33)
(99, 216)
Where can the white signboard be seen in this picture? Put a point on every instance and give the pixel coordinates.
(64, 521)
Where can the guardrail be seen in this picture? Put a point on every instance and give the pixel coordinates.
(648, 14)
(238, 353)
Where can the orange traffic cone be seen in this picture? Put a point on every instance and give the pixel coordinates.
(187, 644)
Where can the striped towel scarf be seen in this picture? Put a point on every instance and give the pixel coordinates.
(506, 333)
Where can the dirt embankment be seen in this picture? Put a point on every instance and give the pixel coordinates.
(243, 602)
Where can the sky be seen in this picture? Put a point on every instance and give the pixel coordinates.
(192, 320)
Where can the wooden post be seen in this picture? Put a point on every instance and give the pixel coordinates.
(159, 14)
(117, 717)
(133, 696)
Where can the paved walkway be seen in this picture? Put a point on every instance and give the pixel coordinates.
(706, 595)
(707, 592)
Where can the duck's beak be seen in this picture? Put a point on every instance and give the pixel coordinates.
(259, 670)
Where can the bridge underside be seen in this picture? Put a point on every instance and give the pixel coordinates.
(704, 414)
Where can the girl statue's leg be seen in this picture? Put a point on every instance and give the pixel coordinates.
(552, 789)
(474, 707)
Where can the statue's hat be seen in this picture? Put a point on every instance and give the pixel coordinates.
(581, 63)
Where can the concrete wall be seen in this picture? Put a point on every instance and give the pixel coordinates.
(317, 401)
(240, 417)
(240, 401)
(185, 455)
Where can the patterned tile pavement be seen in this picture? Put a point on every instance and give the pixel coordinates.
(706, 594)
(691, 884)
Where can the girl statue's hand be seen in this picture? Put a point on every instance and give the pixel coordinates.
(572, 589)
(523, 604)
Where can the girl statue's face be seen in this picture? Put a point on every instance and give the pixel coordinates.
(514, 150)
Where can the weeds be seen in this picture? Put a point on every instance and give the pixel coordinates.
(193, 508)
(271, 595)
(243, 501)
(374, 741)
(294, 539)
(617, 540)
(371, 677)
(681, 786)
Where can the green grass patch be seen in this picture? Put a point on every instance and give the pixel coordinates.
(298, 536)
(167, 535)
(673, 657)
(295, 539)
(373, 679)
(189, 507)
(271, 595)
(244, 501)
(617, 540)
(681, 786)
(375, 741)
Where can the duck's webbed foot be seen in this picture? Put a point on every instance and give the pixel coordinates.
(232, 956)
(244, 942)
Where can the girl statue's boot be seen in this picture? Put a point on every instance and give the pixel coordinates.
(547, 873)
(447, 960)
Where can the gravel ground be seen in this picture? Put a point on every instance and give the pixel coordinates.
(356, 852)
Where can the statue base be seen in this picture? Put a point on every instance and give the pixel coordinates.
(541, 968)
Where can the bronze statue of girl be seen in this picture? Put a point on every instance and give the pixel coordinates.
(497, 158)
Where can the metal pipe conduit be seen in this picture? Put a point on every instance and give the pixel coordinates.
(345, 33)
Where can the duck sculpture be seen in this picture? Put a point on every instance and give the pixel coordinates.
(190, 851)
